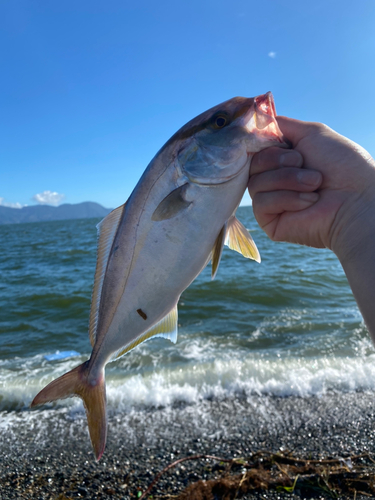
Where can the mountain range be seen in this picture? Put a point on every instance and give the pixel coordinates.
(39, 213)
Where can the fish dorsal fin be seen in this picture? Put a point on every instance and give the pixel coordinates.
(165, 328)
(218, 250)
(107, 229)
(238, 238)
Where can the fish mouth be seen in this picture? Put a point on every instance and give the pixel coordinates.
(262, 120)
(266, 104)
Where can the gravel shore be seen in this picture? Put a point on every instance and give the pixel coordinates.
(46, 454)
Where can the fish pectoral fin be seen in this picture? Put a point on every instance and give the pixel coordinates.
(239, 239)
(165, 328)
(107, 229)
(172, 204)
(218, 250)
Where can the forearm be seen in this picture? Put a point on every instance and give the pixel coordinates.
(358, 274)
(356, 253)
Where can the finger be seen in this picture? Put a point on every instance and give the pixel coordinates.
(295, 130)
(267, 205)
(272, 158)
(292, 179)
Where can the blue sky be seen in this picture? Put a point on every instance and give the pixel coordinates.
(90, 90)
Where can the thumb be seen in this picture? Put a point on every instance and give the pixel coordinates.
(294, 130)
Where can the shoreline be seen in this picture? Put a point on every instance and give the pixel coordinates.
(47, 453)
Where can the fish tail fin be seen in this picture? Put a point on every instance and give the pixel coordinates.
(75, 383)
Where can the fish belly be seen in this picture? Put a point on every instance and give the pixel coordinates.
(171, 254)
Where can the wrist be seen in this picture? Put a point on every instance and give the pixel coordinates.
(353, 235)
(353, 230)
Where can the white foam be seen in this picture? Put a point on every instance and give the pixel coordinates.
(196, 375)
(220, 379)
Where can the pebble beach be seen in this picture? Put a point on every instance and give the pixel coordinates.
(46, 454)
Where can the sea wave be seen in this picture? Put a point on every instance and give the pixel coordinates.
(289, 327)
(194, 382)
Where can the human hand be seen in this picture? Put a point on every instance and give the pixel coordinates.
(320, 194)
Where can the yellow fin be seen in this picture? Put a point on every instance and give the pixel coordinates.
(107, 229)
(217, 251)
(238, 238)
(165, 328)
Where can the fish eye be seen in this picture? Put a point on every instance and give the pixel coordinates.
(220, 121)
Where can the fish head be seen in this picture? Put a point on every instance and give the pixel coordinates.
(217, 145)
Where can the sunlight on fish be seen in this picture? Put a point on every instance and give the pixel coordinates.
(150, 249)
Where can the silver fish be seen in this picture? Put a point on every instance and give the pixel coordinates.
(150, 249)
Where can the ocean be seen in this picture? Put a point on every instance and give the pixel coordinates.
(287, 327)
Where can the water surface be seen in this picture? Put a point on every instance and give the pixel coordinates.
(288, 326)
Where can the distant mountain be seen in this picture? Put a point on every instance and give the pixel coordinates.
(39, 213)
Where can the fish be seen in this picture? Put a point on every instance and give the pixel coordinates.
(150, 249)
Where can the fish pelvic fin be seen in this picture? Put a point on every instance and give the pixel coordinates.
(239, 239)
(75, 383)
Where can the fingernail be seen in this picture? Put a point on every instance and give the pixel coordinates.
(309, 177)
(290, 159)
(310, 197)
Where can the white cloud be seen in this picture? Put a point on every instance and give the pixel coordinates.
(4, 203)
(48, 198)
(272, 55)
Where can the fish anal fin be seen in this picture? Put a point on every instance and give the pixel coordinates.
(218, 250)
(239, 239)
(107, 229)
(165, 328)
(172, 204)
